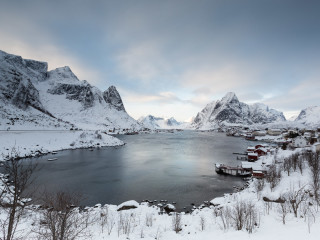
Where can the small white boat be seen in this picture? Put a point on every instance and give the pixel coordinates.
(54, 152)
(52, 159)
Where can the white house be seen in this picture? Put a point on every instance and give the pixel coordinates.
(274, 132)
(317, 146)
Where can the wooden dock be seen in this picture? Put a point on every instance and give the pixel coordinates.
(234, 171)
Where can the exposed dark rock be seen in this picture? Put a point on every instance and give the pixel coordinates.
(112, 96)
(279, 200)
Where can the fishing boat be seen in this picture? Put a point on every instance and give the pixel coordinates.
(233, 171)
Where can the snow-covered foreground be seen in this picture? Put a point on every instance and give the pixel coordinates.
(267, 220)
(31, 143)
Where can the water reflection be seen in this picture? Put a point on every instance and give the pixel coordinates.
(178, 167)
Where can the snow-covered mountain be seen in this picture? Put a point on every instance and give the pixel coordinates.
(153, 122)
(230, 111)
(309, 116)
(31, 97)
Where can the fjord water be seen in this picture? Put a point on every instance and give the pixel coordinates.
(178, 167)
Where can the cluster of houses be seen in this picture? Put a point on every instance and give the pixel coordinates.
(293, 138)
(257, 151)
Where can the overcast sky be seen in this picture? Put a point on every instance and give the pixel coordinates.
(171, 58)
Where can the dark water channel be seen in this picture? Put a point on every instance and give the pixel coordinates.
(177, 167)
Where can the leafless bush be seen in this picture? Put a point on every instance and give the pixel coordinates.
(314, 165)
(202, 223)
(60, 219)
(224, 215)
(149, 220)
(273, 176)
(287, 165)
(16, 180)
(177, 222)
(259, 186)
(284, 209)
(268, 207)
(107, 219)
(244, 216)
(296, 197)
(110, 223)
(126, 223)
(158, 234)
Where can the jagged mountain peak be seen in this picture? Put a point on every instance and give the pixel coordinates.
(26, 87)
(62, 74)
(112, 97)
(229, 110)
(230, 97)
(153, 122)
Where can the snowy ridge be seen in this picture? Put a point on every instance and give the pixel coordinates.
(309, 116)
(153, 122)
(38, 99)
(230, 111)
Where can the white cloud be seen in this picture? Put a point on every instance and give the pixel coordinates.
(143, 61)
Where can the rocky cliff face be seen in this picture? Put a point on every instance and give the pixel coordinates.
(28, 86)
(229, 110)
(112, 97)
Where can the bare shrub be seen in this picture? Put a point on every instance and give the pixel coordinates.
(273, 176)
(259, 186)
(107, 219)
(176, 222)
(244, 215)
(287, 165)
(61, 219)
(149, 220)
(284, 209)
(16, 180)
(202, 223)
(268, 207)
(314, 165)
(295, 198)
(126, 223)
(224, 215)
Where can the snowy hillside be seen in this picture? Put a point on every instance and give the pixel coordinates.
(33, 98)
(230, 111)
(153, 122)
(309, 116)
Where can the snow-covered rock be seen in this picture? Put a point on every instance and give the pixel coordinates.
(309, 116)
(229, 110)
(128, 205)
(169, 208)
(38, 99)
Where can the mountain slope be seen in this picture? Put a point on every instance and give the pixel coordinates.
(230, 111)
(309, 116)
(56, 99)
(153, 122)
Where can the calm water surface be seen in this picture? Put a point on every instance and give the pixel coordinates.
(176, 167)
